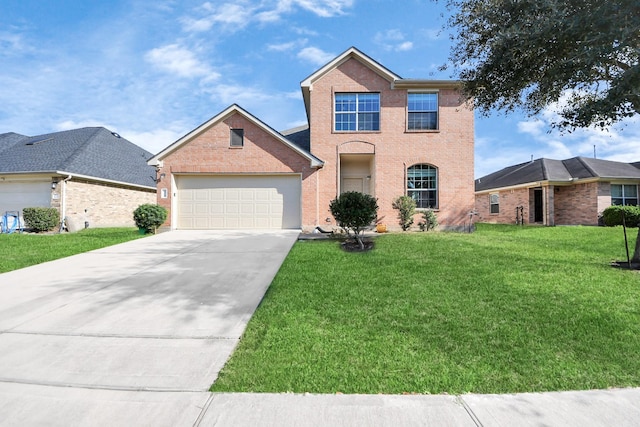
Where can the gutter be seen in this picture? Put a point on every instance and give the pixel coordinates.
(87, 177)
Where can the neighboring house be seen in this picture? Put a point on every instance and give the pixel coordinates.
(556, 192)
(368, 130)
(91, 175)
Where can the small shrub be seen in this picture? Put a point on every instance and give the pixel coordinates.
(429, 220)
(354, 211)
(406, 207)
(149, 217)
(41, 219)
(612, 215)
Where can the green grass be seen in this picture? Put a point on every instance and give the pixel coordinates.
(22, 250)
(502, 310)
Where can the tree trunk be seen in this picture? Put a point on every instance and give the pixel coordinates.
(359, 240)
(636, 252)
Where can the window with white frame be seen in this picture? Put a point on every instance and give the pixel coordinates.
(357, 112)
(422, 111)
(624, 195)
(494, 203)
(422, 185)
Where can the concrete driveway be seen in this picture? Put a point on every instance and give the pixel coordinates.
(145, 326)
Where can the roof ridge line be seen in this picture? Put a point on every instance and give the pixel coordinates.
(83, 147)
(586, 165)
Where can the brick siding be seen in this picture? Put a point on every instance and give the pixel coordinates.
(579, 204)
(210, 153)
(102, 205)
(450, 149)
(393, 149)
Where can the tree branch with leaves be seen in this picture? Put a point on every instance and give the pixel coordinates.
(513, 54)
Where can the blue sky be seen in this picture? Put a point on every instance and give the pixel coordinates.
(153, 70)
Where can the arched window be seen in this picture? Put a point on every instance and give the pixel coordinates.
(422, 185)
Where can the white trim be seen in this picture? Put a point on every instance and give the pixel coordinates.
(233, 109)
(342, 58)
(52, 174)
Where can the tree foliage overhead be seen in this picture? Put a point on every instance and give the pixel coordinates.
(530, 54)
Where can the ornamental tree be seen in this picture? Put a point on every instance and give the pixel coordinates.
(354, 211)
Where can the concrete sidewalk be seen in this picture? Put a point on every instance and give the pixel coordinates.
(569, 409)
(36, 405)
(135, 334)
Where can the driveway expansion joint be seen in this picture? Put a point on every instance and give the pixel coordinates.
(104, 387)
(141, 336)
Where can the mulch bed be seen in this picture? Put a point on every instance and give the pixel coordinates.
(353, 246)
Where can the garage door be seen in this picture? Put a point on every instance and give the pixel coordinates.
(238, 202)
(15, 196)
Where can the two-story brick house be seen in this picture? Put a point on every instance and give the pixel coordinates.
(368, 130)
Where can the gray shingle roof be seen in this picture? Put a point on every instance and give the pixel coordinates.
(299, 136)
(92, 151)
(556, 171)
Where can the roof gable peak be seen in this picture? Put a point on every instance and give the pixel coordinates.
(232, 109)
(351, 53)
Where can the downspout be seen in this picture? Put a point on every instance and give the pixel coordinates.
(63, 205)
(404, 169)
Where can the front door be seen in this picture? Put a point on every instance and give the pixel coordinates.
(538, 205)
(352, 184)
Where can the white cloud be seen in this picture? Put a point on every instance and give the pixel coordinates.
(533, 127)
(228, 15)
(155, 140)
(246, 97)
(315, 56)
(180, 61)
(284, 47)
(231, 17)
(394, 40)
(620, 142)
(404, 46)
(322, 8)
(13, 44)
(71, 124)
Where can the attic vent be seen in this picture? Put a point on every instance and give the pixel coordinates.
(38, 141)
(115, 134)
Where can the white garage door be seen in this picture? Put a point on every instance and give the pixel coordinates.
(15, 196)
(238, 202)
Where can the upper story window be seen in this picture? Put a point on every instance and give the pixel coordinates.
(237, 138)
(625, 195)
(422, 111)
(357, 112)
(422, 186)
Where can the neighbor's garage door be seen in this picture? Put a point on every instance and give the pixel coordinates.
(239, 201)
(15, 196)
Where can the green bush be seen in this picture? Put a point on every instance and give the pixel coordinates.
(406, 207)
(41, 219)
(354, 211)
(612, 215)
(149, 217)
(429, 220)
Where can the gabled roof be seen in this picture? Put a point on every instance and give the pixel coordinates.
(300, 136)
(307, 84)
(234, 109)
(92, 152)
(556, 171)
(394, 80)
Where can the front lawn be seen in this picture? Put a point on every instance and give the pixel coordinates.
(505, 309)
(22, 250)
